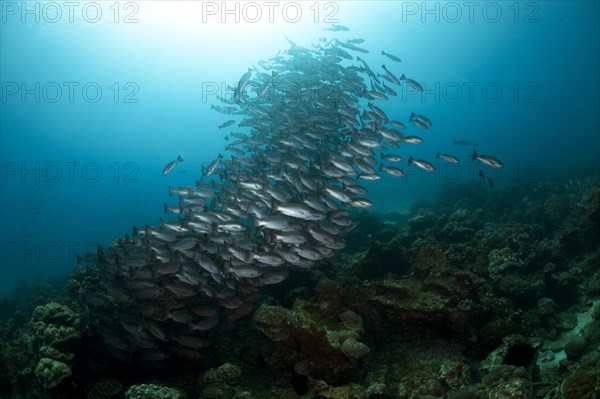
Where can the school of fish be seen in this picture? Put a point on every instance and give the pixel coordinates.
(280, 200)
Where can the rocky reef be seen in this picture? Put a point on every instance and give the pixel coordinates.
(478, 294)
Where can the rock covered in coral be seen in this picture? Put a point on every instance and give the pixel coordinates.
(104, 389)
(428, 297)
(350, 391)
(515, 350)
(153, 391)
(584, 381)
(276, 322)
(226, 373)
(354, 349)
(52, 327)
(546, 307)
(218, 383)
(508, 382)
(415, 369)
(311, 339)
(54, 323)
(575, 347)
(51, 372)
(380, 259)
(424, 219)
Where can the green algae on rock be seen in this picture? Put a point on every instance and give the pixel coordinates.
(153, 391)
(51, 372)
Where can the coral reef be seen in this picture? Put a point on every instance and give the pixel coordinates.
(54, 323)
(104, 389)
(472, 295)
(51, 372)
(52, 326)
(152, 391)
(316, 340)
(584, 381)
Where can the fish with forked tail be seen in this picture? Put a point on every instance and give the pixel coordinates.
(171, 165)
(487, 160)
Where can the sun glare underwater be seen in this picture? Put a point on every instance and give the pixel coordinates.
(329, 199)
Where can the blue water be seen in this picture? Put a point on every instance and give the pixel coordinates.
(81, 171)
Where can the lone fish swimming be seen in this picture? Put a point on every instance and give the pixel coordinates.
(171, 165)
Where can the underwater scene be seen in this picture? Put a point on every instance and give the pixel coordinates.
(300, 199)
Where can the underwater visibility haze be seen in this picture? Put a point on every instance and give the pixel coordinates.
(350, 199)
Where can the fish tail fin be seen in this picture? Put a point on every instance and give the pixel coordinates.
(254, 221)
(382, 52)
(454, 142)
(380, 167)
(410, 160)
(171, 191)
(480, 173)
(381, 156)
(179, 159)
(475, 155)
(166, 207)
(403, 77)
(437, 154)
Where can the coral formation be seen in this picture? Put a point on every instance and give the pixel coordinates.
(470, 298)
(311, 340)
(153, 391)
(54, 323)
(104, 389)
(51, 372)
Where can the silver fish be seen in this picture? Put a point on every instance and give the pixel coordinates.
(391, 56)
(447, 157)
(487, 160)
(171, 165)
(416, 85)
(425, 165)
(226, 124)
(412, 140)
